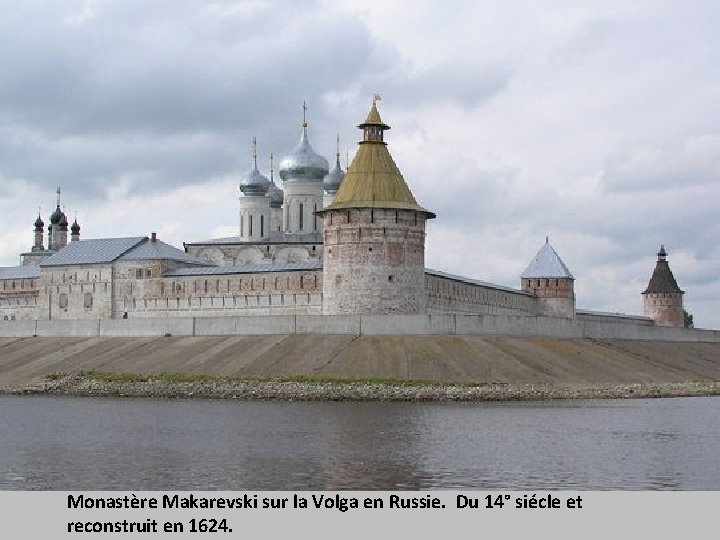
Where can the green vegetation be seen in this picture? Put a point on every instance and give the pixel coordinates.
(117, 377)
(55, 376)
(688, 319)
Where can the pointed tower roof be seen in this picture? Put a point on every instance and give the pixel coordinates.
(547, 264)
(373, 180)
(662, 279)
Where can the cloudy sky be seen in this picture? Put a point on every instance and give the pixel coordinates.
(594, 123)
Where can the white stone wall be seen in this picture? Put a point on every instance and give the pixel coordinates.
(306, 196)
(374, 261)
(261, 253)
(218, 295)
(276, 219)
(447, 295)
(75, 292)
(255, 222)
(18, 299)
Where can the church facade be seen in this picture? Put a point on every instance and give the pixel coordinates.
(328, 242)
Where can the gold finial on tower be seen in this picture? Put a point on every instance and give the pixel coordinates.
(304, 122)
(376, 98)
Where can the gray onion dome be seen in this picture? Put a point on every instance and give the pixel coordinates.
(63, 222)
(56, 216)
(75, 227)
(253, 183)
(303, 163)
(39, 223)
(276, 195)
(332, 181)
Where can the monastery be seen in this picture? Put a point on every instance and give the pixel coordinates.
(328, 242)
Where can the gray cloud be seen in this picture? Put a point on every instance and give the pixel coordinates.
(130, 92)
(595, 125)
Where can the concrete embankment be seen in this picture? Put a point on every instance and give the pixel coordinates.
(496, 367)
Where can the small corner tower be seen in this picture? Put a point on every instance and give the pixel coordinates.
(663, 299)
(547, 278)
(254, 204)
(374, 235)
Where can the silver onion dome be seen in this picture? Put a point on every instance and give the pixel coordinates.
(276, 195)
(332, 181)
(303, 163)
(253, 183)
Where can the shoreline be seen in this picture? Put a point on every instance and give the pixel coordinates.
(184, 387)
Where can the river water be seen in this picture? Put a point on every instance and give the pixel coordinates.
(61, 443)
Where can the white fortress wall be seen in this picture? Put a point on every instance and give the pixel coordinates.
(18, 297)
(213, 295)
(76, 292)
(454, 294)
(479, 325)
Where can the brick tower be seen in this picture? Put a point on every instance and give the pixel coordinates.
(551, 282)
(374, 235)
(663, 299)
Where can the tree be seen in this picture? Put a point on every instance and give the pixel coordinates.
(688, 318)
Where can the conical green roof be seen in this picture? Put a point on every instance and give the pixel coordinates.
(373, 180)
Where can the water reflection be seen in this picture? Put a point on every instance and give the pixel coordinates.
(79, 443)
